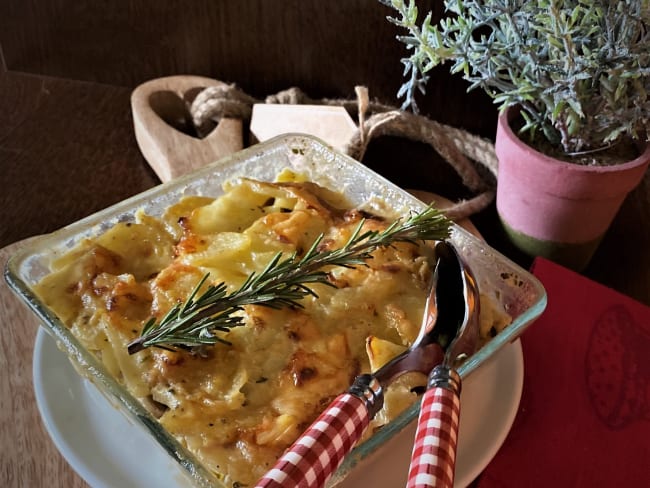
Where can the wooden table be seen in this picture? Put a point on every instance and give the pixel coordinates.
(67, 149)
(54, 170)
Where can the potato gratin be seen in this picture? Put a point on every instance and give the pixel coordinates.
(238, 407)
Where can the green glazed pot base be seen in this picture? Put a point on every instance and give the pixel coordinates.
(575, 256)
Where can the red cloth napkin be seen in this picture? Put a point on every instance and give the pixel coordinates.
(584, 416)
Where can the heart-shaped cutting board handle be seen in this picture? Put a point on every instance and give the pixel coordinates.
(158, 108)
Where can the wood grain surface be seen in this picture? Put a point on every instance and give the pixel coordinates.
(29, 458)
(326, 48)
(66, 150)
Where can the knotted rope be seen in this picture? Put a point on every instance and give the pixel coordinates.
(456, 146)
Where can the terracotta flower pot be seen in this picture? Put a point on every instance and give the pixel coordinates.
(556, 209)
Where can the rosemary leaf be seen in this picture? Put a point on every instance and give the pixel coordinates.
(282, 283)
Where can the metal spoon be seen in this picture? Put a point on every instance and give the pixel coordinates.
(434, 452)
(316, 455)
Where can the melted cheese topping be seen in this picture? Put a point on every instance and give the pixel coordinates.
(238, 407)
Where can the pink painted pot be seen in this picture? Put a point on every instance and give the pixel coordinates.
(556, 209)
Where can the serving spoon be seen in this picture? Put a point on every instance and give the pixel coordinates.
(316, 455)
(434, 451)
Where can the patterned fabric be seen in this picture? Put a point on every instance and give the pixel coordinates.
(434, 451)
(316, 455)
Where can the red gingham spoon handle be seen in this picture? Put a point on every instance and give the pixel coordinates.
(315, 456)
(434, 452)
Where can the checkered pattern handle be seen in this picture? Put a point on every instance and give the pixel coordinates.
(434, 451)
(316, 455)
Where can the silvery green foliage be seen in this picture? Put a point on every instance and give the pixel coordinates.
(580, 69)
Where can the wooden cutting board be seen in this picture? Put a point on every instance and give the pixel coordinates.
(29, 458)
(161, 104)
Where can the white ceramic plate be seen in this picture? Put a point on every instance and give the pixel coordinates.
(107, 450)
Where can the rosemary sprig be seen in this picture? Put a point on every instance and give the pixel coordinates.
(283, 283)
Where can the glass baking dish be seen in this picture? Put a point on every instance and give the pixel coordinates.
(520, 294)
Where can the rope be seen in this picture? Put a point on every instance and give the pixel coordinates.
(458, 147)
(217, 102)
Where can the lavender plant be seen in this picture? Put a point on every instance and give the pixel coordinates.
(579, 69)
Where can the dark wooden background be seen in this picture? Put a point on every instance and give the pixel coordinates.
(263, 46)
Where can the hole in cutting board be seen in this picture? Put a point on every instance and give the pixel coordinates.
(174, 111)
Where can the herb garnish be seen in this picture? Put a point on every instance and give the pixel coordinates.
(283, 282)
